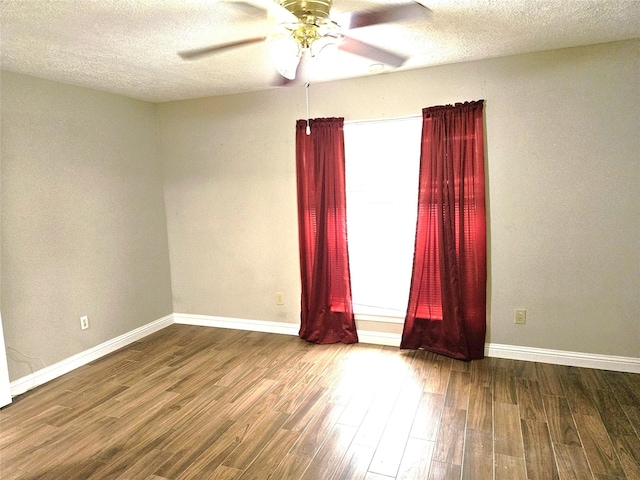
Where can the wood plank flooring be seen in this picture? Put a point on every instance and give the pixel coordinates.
(202, 403)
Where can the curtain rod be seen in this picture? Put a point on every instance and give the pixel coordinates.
(389, 119)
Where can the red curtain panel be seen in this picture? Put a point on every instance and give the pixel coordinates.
(446, 313)
(326, 306)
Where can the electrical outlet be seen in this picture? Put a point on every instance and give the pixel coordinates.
(521, 317)
(279, 298)
(84, 322)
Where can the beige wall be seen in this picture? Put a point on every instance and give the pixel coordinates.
(231, 205)
(562, 167)
(83, 220)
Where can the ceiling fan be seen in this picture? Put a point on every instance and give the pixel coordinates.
(308, 28)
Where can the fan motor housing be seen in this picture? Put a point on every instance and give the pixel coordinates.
(303, 9)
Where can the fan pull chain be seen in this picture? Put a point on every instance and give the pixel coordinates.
(306, 89)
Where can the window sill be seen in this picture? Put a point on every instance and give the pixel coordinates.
(386, 318)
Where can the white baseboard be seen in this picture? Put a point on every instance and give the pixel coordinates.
(46, 374)
(514, 352)
(376, 338)
(236, 323)
(563, 357)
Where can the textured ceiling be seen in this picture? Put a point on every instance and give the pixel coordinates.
(129, 47)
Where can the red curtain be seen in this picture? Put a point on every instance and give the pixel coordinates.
(447, 300)
(327, 310)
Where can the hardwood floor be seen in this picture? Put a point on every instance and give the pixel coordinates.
(201, 403)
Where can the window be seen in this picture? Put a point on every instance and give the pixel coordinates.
(382, 163)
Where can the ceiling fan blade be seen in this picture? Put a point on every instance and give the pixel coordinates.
(248, 9)
(262, 9)
(351, 45)
(201, 52)
(391, 13)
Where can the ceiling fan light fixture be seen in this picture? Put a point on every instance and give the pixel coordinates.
(376, 68)
(285, 54)
(325, 48)
(326, 55)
